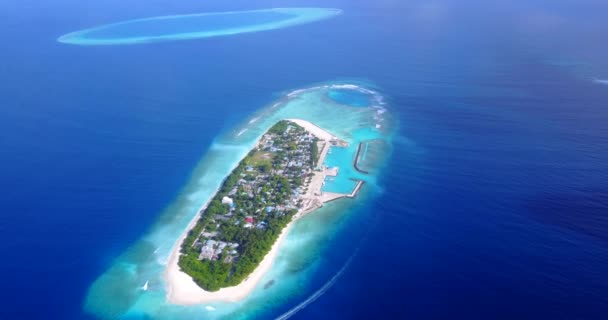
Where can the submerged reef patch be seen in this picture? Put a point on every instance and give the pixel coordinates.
(194, 26)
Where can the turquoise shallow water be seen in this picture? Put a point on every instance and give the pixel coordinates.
(341, 158)
(350, 97)
(192, 26)
(187, 24)
(119, 291)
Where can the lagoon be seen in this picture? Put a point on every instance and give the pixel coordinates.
(352, 98)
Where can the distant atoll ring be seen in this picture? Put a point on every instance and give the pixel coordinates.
(200, 25)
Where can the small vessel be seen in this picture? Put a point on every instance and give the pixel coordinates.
(145, 287)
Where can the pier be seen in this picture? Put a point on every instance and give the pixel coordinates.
(331, 196)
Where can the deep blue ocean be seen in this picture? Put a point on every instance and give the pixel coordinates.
(494, 201)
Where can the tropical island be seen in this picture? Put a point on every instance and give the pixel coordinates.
(354, 137)
(234, 238)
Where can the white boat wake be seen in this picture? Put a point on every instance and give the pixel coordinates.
(317, 293)
(601, 81)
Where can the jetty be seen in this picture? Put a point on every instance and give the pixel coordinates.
(332, 196)
(356, 159)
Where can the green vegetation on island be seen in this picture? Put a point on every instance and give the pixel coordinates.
(314, 152)
(255, 202)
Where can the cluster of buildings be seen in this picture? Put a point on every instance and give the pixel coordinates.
(212, 249)
(272, 183)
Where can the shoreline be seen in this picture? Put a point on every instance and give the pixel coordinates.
(189, 293)
(181, 288)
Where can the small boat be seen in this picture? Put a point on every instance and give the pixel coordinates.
(145, 287)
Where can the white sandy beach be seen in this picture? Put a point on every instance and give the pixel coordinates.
(181, 289)
(314, 129)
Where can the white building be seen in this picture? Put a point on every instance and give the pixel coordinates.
(227, 200)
